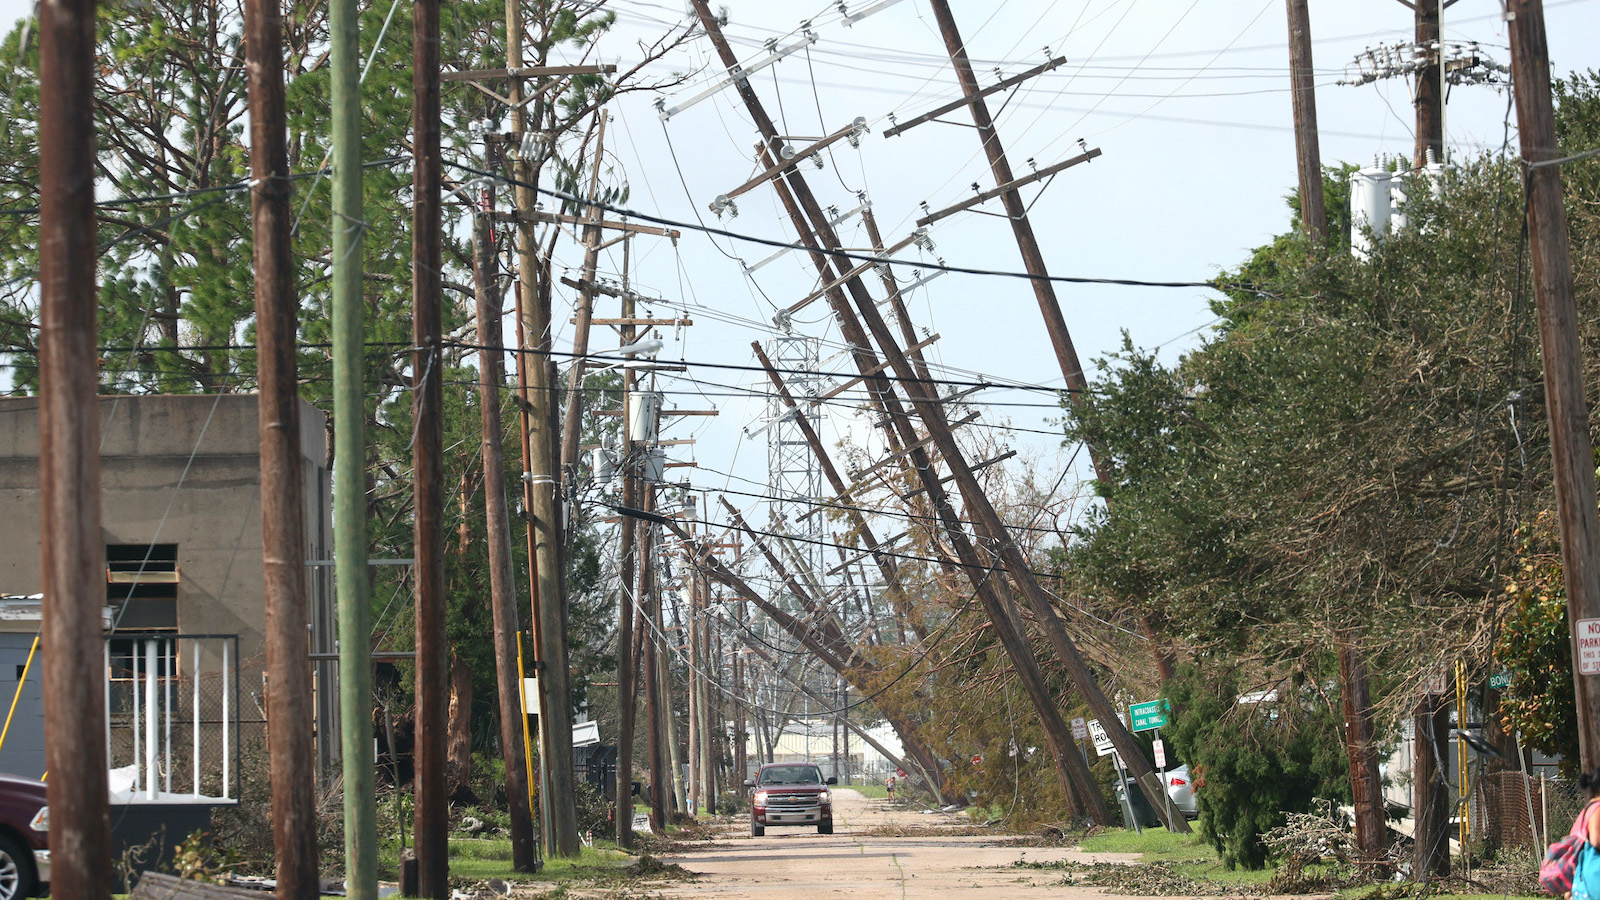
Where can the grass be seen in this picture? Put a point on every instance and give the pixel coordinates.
(485, 858)
(870, 791)
(1184, 854)
(1158, 844)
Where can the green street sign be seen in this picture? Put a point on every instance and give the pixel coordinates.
(1501, 681)
(1146, 716)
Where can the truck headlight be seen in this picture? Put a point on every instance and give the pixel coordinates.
(825, 798)
(761, 798)
(41, 820)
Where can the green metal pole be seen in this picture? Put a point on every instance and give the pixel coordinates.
(349, 463)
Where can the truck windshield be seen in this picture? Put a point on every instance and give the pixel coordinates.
(792, 775)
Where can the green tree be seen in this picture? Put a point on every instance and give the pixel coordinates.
(1252, 764)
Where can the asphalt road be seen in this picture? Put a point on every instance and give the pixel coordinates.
(878, 851)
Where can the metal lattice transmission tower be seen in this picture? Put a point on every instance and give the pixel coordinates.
(793, 473)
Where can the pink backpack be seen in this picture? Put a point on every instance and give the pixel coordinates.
(1561, 860)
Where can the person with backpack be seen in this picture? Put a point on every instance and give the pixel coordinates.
(1571, 868)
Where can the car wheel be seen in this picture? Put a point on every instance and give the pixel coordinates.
(756, 830)
(825, 826)
(16, 870)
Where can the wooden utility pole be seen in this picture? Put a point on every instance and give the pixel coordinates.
(655, 709)
(1070, 767)
(1430, 798)
(989, 526)
(430, 820)
(691, 641)
(1558, 334)
(72, 548)
(502, 577)
(628, 596)
(560, 826)
(1072, 371)
(572, 423)
(1429, 89)
(283, 530)
(350, 457)
(1308, 155)
(507, 638)
(1016, 213)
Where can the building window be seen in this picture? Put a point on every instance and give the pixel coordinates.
(142, 586)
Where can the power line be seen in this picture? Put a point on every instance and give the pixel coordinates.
(849, 254)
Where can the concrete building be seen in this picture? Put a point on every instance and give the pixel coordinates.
(181, 517)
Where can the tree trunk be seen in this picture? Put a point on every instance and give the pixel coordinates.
(1366, 790)
(458, 755)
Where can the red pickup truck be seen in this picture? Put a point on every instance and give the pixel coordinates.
(790, 794)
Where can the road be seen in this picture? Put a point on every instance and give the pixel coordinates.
(877, 851)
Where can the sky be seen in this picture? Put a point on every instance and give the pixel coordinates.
(1187, 100)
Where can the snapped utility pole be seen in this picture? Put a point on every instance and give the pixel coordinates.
(283, 531)
(1558, 334)
(430, 819)
(71, 549)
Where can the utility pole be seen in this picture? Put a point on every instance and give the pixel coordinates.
(72, 551)
(1429, 91)
(629, 600)
(1313, 214)
(430, 816)
(660, 769)
(1032, 258)
(502, 577)
(691, 641)
(350, 457)
(572, 430)
(1558, 334)
(988, 523)
(560, 828)
(283, 530)
(1072, 771)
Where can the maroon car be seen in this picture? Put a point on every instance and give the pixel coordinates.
(24, 838)
(790, 794)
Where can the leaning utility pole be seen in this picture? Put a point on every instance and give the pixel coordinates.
(1563, 373)
(560, 827)
(987, 522)
(1017, 214)
(1308, 155)
(350, 456)
(430, 819)
(571, 430)
(1072, 372)
(72, 548)
(283, 530)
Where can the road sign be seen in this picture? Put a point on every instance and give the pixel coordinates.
(1588, 634)
(1501, 681)
(1102, 741)
(1080, 731)
(1146, 716)
(1160, 751)
(1434, 681)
